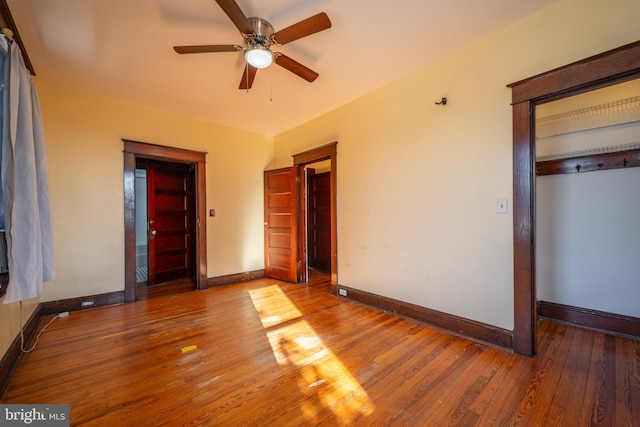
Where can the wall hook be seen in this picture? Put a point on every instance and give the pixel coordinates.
(443, 101)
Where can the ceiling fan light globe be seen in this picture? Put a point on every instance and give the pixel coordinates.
(259, 57)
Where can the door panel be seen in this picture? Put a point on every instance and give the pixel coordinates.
(168, 204)
(280, 221)
(280, 236)
(280, 200)
(281, 241)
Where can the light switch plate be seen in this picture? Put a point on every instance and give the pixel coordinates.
(502, 206)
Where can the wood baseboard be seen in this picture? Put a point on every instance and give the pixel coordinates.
(81, 303)
(235, 278)
(12, 357)
(459, 325)
(609, 322)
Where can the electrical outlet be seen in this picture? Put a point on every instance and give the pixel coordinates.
(86, 303)
(342, 292)
(502, 206)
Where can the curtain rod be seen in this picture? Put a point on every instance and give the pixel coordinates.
(7, 22)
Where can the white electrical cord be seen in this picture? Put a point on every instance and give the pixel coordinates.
(63, 314)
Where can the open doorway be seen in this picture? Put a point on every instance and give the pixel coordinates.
(172, 167)
(615, 66)
(165, 205)
(318, 216)
(320, 160)
(286, 217)
(587, 235)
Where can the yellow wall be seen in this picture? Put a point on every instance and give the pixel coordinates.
(418, 183)
(84, 149)
(86, 184)
(11, 322)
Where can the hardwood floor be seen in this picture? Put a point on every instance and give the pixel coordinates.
(272, 353)
(143, 291)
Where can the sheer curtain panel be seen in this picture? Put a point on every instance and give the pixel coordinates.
(23, 172)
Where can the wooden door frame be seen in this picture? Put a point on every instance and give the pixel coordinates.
(300, 160)
(134, 150)
(611, 67)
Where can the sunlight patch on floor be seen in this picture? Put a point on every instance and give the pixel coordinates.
(323, 379)
(273, 306)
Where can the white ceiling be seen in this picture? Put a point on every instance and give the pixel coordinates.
(123, 49)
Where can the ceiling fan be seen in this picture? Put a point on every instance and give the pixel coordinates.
(259, 37)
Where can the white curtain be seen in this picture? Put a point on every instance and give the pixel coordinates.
(24, 177)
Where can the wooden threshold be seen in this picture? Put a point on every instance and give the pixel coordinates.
(235, 278)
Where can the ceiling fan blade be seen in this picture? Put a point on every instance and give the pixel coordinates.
(208, 48)
(233, 11)
(296, 68)
(247, 77)
(304, 28)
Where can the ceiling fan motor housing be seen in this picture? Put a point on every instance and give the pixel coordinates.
(263, 31)
(258, 37)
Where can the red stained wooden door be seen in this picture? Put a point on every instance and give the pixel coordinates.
(319, 222)
(280, 224)
(169, 209)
